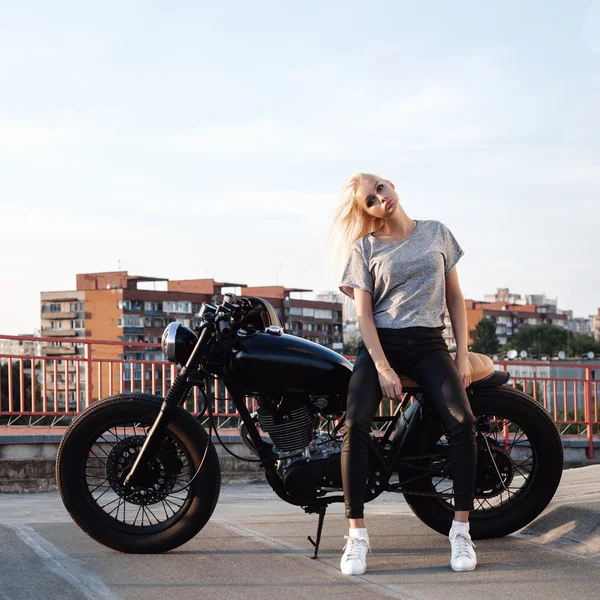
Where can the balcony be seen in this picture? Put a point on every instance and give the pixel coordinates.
(61, 386)
(59, 333)
(46, 314)
(133, 330)
(58, 351)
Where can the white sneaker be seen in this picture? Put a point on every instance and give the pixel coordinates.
(354, 560)
(463, 555)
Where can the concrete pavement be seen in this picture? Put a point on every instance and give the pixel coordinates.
(255, 544)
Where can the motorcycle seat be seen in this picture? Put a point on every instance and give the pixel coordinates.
(482, 367)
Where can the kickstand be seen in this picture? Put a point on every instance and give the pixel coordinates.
(319, 530)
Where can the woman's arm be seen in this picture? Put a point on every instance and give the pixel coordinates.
(455, 302)
(364, 315)
(389, 380)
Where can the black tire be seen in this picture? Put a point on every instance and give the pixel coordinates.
(525, 506)
(202, 494)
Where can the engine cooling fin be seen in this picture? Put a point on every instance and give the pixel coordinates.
(290, 431)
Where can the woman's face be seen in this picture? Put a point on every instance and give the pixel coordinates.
(377, 197)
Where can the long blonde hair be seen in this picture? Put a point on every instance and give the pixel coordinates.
(350, 222)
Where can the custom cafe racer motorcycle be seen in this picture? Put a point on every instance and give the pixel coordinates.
(139, 473)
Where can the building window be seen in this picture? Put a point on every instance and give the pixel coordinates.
(296, 311)
(151, 306)
(308, 312)
(55, 325)
(51, 308)
(137, 372)
(124, 304)
(322, 314)
(133, 338)
(177, 307)
(130, 321)
(79, 324)
(76, 306)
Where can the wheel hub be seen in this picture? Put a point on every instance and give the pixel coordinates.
(487, 482)
(158, 478)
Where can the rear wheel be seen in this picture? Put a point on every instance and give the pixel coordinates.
(164, 510)
(519, 466)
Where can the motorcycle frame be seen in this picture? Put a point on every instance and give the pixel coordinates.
(388, 464)
(195, 373)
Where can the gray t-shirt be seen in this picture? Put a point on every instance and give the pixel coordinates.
(406, 278)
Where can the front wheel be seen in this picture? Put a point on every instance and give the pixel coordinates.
(519, 466)
(164, 510)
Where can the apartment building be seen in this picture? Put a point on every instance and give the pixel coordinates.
(579, 324)
(20, 347)
(317, 320)
(119, 307)
(112, 307)
(595, 325)
(509, 317)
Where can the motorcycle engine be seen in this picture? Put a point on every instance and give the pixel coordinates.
(309, 461)
(314, 471)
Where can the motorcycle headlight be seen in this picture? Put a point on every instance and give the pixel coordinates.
(178, 342)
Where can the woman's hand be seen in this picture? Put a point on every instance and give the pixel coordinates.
(390, 384)
(464, 369)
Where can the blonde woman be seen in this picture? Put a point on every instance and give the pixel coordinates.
(400, 273)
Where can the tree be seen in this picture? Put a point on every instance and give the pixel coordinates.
(550, 339)
(540, 339)
(350, 347)
(16, 386)
(582, 344)
(484, 337)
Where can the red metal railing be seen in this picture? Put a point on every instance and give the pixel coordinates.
(47, 389)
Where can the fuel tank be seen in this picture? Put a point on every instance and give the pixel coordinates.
(279, 363)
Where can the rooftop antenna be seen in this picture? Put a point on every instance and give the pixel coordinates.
(118, 264)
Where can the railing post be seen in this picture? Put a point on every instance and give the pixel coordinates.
(587, 394)
(89, 375)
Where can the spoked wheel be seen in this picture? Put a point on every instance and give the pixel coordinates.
(169, 504)
(519, 466)
(163, 492)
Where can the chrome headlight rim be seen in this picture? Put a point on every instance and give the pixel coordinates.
(169, 338)
(178, 343)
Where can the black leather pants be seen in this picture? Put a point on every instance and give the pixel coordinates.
(422, 354)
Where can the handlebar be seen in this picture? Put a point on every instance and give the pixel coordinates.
(223, 327)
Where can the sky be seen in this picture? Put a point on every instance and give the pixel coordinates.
(197, 139)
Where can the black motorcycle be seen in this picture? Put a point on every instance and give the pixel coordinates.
(139, 473)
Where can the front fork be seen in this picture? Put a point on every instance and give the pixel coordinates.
(175, 396)
(156, 434)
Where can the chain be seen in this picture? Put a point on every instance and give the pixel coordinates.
(415, 493)
(422, 457)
